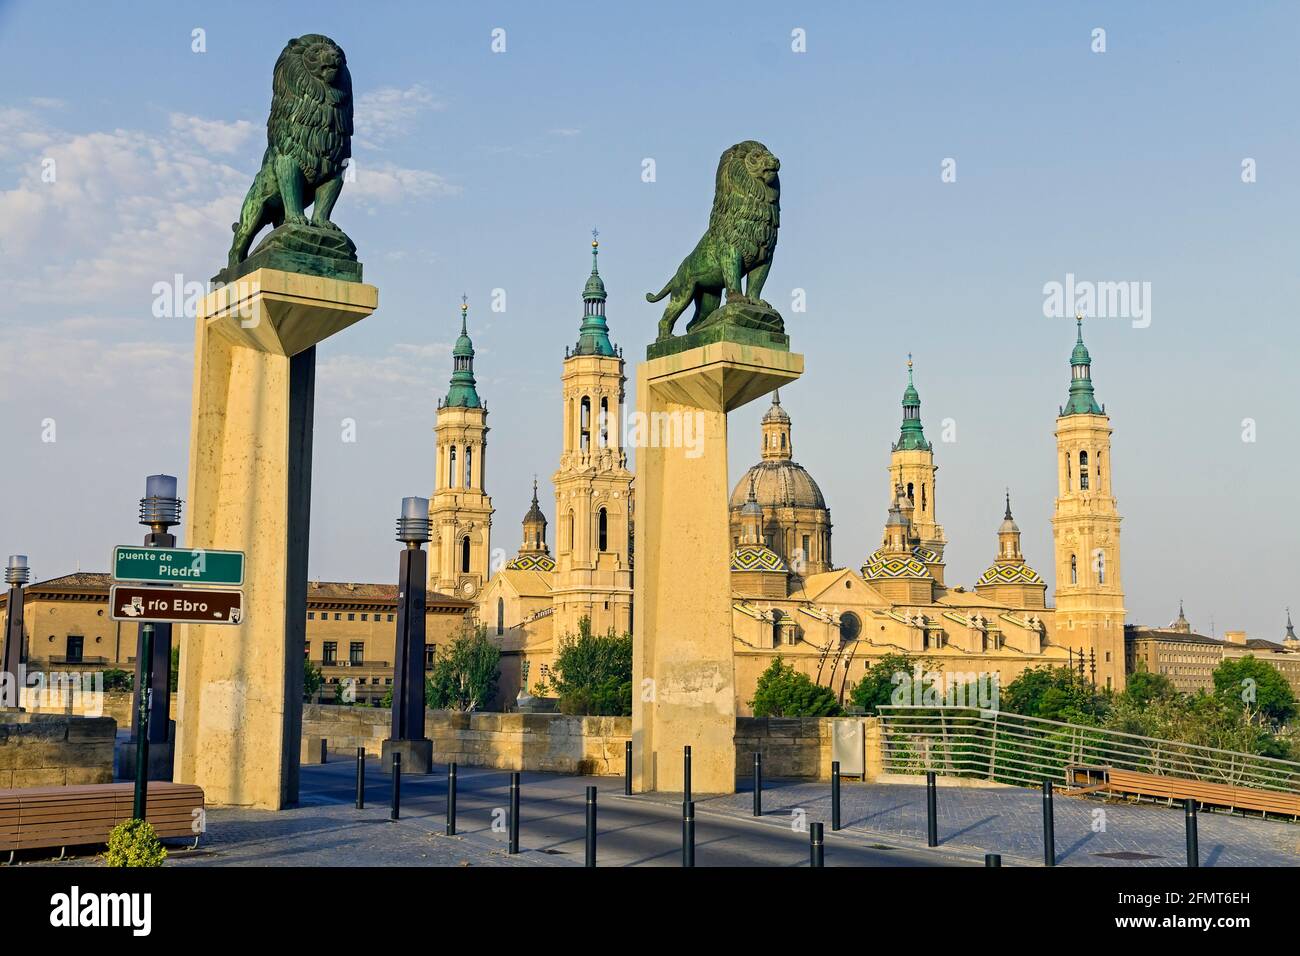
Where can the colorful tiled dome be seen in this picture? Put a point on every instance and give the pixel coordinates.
(532, 562)
(1010, 574)
(756, 557)
(894, 567)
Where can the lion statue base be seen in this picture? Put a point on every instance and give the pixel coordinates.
(747, 323)
(311, 250)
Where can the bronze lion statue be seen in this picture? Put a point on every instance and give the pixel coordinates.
(308, 138)
(738, 244)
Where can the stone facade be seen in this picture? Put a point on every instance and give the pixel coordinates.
(50, 750)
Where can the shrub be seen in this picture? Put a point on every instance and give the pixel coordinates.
(115, 679)
(134, 843)
(465, 673)
(311, 680)
(593, 674)
(784, 692)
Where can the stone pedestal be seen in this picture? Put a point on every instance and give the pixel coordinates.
(239, 708)
(417, 755)
(683, 680)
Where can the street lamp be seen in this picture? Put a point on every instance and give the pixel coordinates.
(16, 575)
(407, 737)
(160, 509)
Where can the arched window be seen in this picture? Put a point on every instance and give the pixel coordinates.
(783, 441)
(584, 423)
(602, 530)
(568, 529)
(923, 497)
(1069, 475)
(451, 468)
(1074, 570)
(501, 615)
(604, 423)
(850, 626)
(464, 554)
(469, 466)
(910, 495)
(1083, 471)
(1101, 567)
(777, 617)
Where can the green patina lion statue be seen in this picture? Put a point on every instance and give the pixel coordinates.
(309, 135)
(738, 244)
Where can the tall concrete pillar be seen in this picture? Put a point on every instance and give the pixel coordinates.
(683, 680)
(239, 709)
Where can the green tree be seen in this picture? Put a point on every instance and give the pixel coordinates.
(1252, 684)
(592, 674)
(465, 672)
(1054, 693)
(784, 692)
(883, 678)
(311, 679)
(1143, 687)
(115, 679)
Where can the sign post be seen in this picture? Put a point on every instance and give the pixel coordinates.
(138, 808)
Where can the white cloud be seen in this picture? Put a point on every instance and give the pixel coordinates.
(387, 183)
(215, 136)
(387, 112)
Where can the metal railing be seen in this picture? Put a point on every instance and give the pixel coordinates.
(1025, 751)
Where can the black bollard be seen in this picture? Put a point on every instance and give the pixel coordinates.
(758, 784)
(627, 768)
(688, 834)
(361, 778)
(992, 859)
(931, 810)
(835, 794)
(816, 848)
(514, 813)
(686, 775)
(1193, 848)
(591, 826)
(395, 811)
(451, 800)
(1049, 826)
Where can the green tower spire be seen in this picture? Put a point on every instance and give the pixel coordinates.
(1081, 401)
(462, 393)
(593, 335)
(912, 436)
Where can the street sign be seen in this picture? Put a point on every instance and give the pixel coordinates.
(178, 565)
(132, 602)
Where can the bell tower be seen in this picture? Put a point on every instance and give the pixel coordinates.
(912, 466)
(460, 509)
(1085, 528)
(593, 486)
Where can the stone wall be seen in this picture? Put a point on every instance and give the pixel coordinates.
(53, 750)
(113, 703)
(798, 747)
(795, 747)
(547, 742)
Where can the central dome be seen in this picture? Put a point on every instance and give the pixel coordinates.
(778, 484)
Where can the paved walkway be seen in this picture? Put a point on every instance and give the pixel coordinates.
(1089, 832)
(884, 826)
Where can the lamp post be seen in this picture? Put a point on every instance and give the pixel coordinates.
(160, 509)
(16, 575)
(407, 737)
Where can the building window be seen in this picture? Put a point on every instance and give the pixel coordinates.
(365, 617)
(501, 615)
(338, 616)
(352, 617)
(807, 543)
(76, 647)
(1069, 476)
(850, 626)
(1074, 570)
(469, 466)
(568, 529)
(311, 615)
(1101, 567)
(464, 554)
(584, 423)
(1083, 471)
(602, 530)
(306, 649)
(390, 618)
(330, 654)
(604, 423)
(451, 468)
(356, 652)
(430, 653)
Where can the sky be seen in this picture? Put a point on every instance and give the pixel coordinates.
(942, 163)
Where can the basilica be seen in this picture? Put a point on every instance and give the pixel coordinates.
(789, 598)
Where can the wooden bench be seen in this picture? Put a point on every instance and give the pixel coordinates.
(1088, 779)
(38, 817)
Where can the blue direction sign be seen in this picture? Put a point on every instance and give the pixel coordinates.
(178, 566)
